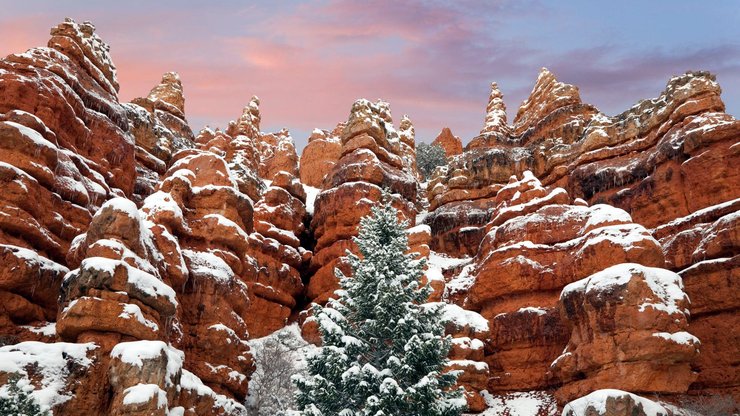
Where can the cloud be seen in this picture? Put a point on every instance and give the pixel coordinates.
(433, 60)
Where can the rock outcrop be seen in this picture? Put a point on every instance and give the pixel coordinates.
(703, 248)
(371, 161)
(613, 402)
(536, 244)
(320, 155)
(629, 332)
(279, 219)
(666, 161)
(160, 129)
(496, 127)
(65, 148)
(449, 142)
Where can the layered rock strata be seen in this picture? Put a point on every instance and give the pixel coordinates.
(372, 160)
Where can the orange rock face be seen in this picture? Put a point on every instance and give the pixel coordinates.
(629, 332)
(451, 143)
(536, 244)
(65, 149)
(372, 159)
(320, 155)
(158, 125)
(496, 127)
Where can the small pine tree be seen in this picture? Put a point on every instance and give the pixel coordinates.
(16, 402)
(383, 350)
(428, 157)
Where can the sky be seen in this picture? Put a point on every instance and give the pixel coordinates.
(434, 60)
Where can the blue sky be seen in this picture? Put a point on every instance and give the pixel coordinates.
(308, 61)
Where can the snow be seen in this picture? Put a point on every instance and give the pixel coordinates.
(681, 337)
(533, 403)
(624, 235)
(207, 264)
(460, 283)
(461, 317)
(129, 208)
(141, 280)
(233, 374)
(177, 411)
(143, 393)
(49, 329)
(32, 135)
(478, 365)
(534, 202)
(420, 229)
(32, 258)
(666, 285)
(604, 214)
(311, 194)
(163, 202)
(597, 400)
(229, 331)
(134, 311)
(190, 381)
(468, 343)
(48, 360)
(231, 226)
(438, 263)
(136, 352)
(123, 205)
(444, 262)
(532, 309)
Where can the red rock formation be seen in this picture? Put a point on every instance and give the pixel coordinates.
(495, 127)
(279, 214)
(611, 402)
(469, 331)
(158, 125)
(320, 155)
(248, 124)
(279, 223)
(535, 245)
(629, 332)
(451, 143)
(371, 160)
(666, 161)
(64, 150)
(702, 248)
(277, 154)
(407, 135)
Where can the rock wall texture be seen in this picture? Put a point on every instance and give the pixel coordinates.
(581, 259)
(666, 161)
(372, 159)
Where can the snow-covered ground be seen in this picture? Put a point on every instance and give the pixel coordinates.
(532, 403)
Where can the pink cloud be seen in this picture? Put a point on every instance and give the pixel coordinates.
(308, 62)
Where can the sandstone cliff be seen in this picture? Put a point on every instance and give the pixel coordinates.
(585, 263)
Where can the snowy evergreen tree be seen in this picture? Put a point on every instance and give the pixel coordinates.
(15, 401)
(383, 350)
(428, 157)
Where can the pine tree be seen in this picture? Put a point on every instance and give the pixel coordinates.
(16, 402)
(383, 350)
(428, 157)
